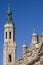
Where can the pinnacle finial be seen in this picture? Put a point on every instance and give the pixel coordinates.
(24, 41)
(8, 6)
(34, 28)
(9, 14)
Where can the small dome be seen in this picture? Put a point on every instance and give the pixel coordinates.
(34, 34)
(24, 45)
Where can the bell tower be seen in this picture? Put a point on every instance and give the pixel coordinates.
(9, 47)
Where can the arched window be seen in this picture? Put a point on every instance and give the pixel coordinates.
(9, 35)
(6, 35)
(9, 58)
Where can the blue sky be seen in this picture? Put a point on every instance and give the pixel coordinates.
(25, 14)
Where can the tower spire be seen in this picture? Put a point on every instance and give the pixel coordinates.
(9, 14)
(34, 31)
(8, 6)
(9, 9)
(34, 36)
(34, 28)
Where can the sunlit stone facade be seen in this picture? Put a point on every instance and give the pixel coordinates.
(30, 56)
